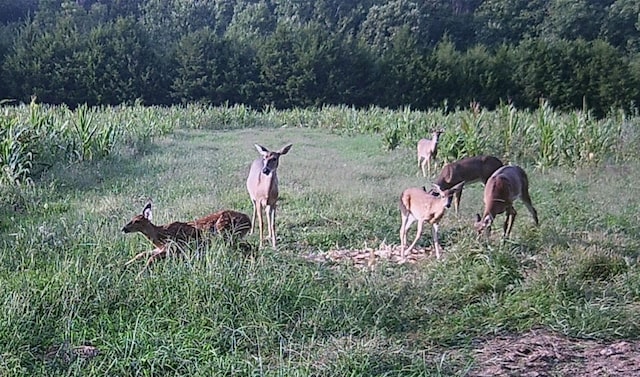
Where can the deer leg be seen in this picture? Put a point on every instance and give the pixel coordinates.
(526, 199)
(508, 224)
(253, 215)
(436, 242)
(259, 213)
(422, 165)
(407, 220)
(418, 233)
(403, 221)
(139, 256)
(271, 223)
(456, 200)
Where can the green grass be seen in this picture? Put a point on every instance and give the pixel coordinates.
(218, 312)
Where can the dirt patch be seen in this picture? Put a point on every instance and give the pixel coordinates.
(541, 353)
(368, 257)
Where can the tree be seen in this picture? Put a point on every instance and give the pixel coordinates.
(212, 69)
(571, 19)
(384, 21)
(621, 25)
(568, 73)
(509, 21)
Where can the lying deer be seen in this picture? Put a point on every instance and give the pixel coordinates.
(428, 150)
(262, 185)
(231, 225)
(468, 170)
(503, 187)
(418, 204)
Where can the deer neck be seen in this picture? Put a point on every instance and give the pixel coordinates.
(153, 234)
(270, 181)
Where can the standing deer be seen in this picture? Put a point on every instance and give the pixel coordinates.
(231, 225)
(428, 150)
(468, 170)
(262, 185)
(418, 204)
(503, 187)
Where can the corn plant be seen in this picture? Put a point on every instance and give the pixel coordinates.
(391, 137)
(546, 142)
(472, 127)
(510, 121)
(83, 131)
(16, 159)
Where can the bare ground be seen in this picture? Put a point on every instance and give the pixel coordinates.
(539, 353)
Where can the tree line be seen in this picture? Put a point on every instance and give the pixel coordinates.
(306, 53)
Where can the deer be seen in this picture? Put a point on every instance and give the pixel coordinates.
(428, 150)
(468, 170)
(418, 204)
(230, 224)
(262, 185)
(505, 185)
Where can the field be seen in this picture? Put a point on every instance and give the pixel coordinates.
(547, 300)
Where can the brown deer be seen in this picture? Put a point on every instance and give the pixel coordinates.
(468, 170)
(231, 225)
(503, 187)
(262, 185)
(428, 150)
(418, 204)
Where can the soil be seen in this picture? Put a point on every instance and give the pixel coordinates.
(541, 353)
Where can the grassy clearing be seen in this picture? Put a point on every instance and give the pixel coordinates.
(217, 312)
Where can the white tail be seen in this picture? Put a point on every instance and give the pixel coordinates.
(418, 204)
(503, 187)
(262, 185)
(231, 225)
(427, 151)
(468, 170)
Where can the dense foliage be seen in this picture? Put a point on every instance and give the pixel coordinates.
(573, 53)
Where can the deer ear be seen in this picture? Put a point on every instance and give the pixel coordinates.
(262, 150)
(285, 149)
(146, 212)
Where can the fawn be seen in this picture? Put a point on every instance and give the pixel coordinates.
(231, 225)
(418, 204)
(428, 150)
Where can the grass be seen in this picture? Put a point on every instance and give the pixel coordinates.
(218, 312)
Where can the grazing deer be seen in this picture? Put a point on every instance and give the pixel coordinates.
(262, 185)
(231, 225)
(428, 150)
(503, 187)
(468, 170)
(418, 204)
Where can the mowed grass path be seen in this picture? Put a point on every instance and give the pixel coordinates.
(218, 312)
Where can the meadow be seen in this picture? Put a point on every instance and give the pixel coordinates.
(71, 178)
